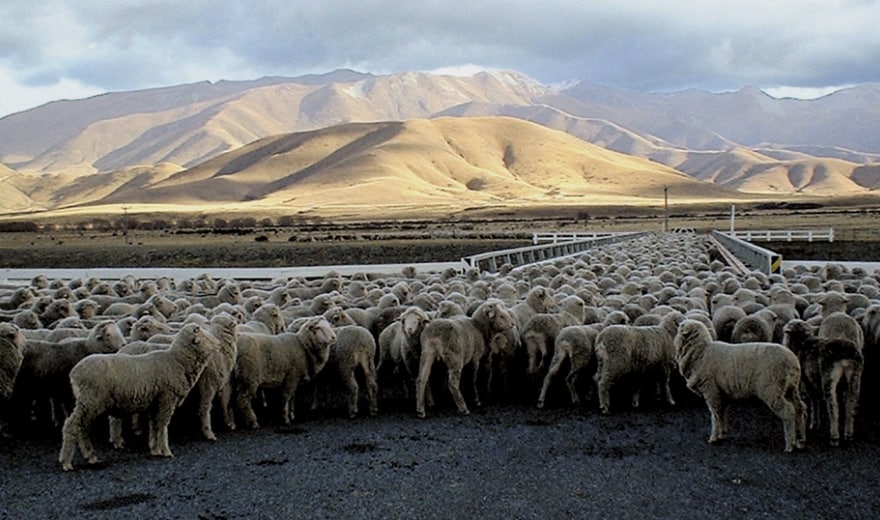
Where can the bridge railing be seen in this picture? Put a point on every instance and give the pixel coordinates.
(790, 235)
(754, 257)
(554, 236)
(493, 261)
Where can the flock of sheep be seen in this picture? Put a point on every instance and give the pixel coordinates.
(625, 319)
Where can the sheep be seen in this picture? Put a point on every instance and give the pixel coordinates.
(155, 383)
(539, 299)
(719, 372)
(146, 327)
(724, 318)
(355, 348)
(46, 365)
(841, 325)
(19, 298)
(279, 361)
(27, 319)
(266, 319)
(824, 363)
(12, 344)
(214, 381)
(539, 333)
(756, 327)
(625, 349)
(458, 342)
(399, 344)
(577, 344)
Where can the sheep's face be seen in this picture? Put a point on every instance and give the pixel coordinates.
(321, 330)
(497, 315)
(163, 304)
(109, 335)
(412, 321)
(11, 334)
(338, 317)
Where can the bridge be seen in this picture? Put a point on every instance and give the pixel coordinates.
(736, 249)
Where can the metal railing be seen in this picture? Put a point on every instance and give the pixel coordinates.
(754, 257)
(780, 235)
(493, 261)
(554, 236)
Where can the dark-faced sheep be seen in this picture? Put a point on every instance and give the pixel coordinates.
(624, 350)
(458, 342)
(825, 362)
(154, 383)
(280, 361)
(720, 372)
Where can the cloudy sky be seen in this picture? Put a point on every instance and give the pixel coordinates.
(68, 49)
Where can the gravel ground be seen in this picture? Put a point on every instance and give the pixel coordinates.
(502, 461)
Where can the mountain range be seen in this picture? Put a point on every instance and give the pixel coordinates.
(355, 140)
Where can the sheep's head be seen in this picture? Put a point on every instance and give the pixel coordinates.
(691, 335)
(196, 337)
(412, 321)
(108, 335)
(338, 317)
(12, 335)
(496, 315)
(794, 333)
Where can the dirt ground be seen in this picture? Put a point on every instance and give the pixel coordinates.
(502, 461)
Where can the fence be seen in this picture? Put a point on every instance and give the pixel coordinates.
(779, 235)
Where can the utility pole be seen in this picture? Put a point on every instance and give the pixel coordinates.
(665, 209)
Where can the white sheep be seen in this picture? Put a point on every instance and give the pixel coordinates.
(154, 383)
(266, 319)
(539, 332)
(400, 347)
(12, 344)
(458, 342)
(353, 352)
(46, 365)
(825, 362)
(623, 350)
(720, 372)
(577, 344)
(279, 361)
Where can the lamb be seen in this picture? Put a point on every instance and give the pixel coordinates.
(155, 383)
(12, 344)
(355, 349)
(824, 363)
(720, 372)
(577, 344)
(458, 342)
(622, 350)
(279, 361)
(539, 332)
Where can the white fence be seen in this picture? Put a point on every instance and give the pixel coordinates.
(779, 235)
(554, 237)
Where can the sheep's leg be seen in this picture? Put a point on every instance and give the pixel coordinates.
(453, 371)
(555, 365)
(830, 388)
(532, 350)
(370, 376)
(74, 433)
(716, 412)
(667, 390)
(245, 406)
(116, 438)
(603, 387)
(783, 406)
(474, 380)
(351, 385)
(224, 396)
(853, 390)
(160, 422)
(427, 362)
(288, 396)
(206, 401)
